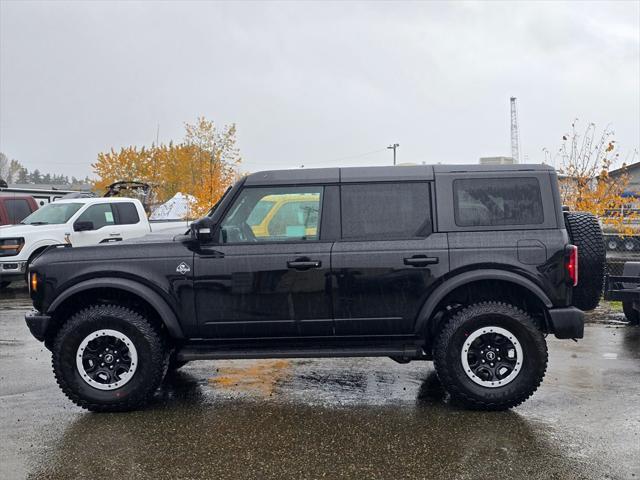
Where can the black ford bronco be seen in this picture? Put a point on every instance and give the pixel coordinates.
(468, 266)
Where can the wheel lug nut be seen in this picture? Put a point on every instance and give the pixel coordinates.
(491, 364)
(102, 364)
(482, 362)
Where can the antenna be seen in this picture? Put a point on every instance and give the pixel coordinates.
(515, 135)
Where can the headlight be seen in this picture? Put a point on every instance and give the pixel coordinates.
(10, 246)
(612, 244)
(628, 245)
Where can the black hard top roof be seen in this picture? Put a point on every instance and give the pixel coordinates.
(372, 174)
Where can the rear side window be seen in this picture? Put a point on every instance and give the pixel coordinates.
(127, 213)
(497, 202)
(17, 209)
(378, 211)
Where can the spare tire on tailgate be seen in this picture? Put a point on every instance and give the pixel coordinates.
(586, 234)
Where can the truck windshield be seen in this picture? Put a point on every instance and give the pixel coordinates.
(52, 214)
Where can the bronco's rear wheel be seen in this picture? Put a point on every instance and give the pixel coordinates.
(108, 358)
(586, 234)
(490, 356)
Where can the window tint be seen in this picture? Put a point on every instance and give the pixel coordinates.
(385, 210)
(273, 214)
(259, 212)
(17, 209)
(497, 201)
(127, 213)
(101, 215)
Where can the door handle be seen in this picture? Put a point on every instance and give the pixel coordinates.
(304, 264)
(114, 234)
(421, 261)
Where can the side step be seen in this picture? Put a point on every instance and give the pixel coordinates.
(218, 351)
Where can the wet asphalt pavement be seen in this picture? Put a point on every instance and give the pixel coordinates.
(333, 418)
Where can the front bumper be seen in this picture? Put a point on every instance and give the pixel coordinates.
(12, 270)
(37, 323)
(567, 322)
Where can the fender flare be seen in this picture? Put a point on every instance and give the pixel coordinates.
(165, 312)
(28, 252)
(448, 286)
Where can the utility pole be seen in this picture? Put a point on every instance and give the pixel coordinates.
(515, 135)
(393, 147)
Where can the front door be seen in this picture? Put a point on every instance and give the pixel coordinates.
(388, 258)
(104, 229)
(268, 272)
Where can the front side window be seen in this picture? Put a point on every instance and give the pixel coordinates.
(52, 214)
(273, 214)
(100, 215)
(497, 202)
(379, 211)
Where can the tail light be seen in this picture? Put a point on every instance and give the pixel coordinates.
(571, 264)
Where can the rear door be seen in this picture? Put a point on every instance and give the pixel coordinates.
(129, 222)
(387, 259)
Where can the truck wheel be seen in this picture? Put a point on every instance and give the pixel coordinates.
(586, 234)
(632, 315)
(490, 356)
(108, 358)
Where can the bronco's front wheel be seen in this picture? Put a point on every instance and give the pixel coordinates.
(108, 358)
(490, 356)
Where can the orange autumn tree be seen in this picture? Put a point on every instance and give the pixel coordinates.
(585, 183)
(203, 165)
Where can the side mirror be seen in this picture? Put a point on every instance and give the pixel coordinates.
(82, 226)
(202, 230)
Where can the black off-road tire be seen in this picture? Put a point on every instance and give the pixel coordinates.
(151, 352)
(449, 347)
(632, 315)
(586, 234)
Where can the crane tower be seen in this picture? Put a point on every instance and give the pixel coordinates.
(515, 135)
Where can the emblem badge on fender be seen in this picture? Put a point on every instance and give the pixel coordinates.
(183, 268)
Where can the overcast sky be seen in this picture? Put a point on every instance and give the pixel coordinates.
(314, 84)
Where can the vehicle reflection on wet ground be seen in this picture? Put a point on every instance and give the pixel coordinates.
(333, 418)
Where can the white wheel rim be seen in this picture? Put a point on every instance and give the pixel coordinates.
(110, 374)
(497, 382)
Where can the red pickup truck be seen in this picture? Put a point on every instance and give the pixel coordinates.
(14, 208)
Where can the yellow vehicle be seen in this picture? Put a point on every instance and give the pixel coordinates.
(273, 213)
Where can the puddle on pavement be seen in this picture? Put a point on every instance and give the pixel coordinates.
(260, 377)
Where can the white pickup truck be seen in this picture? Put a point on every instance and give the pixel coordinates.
(79, 222)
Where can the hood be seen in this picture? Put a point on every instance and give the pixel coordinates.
(7, 231)
(109, 252)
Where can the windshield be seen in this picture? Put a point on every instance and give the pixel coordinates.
(52, 214)
(213, 209)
